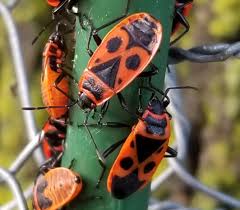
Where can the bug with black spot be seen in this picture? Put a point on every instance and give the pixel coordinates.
(143, 149)
(181, 11)
(54, 77)
(121, 56)
(56, 188)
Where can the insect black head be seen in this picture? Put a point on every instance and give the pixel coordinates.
(156, 106)
(85, 102)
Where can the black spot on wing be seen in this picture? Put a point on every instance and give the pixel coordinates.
(122, 187)
(119, 81)
(97, 60)
(42, 184)
(107, 71)
(149, 167)
(114, 44)
(132, 62)
(132, 144)
(146, 147)
(126, 163)
(43, 202)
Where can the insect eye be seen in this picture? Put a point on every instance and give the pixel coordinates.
(93, 106)
(77, 179)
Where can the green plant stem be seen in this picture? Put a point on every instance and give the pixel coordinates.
(78, 143)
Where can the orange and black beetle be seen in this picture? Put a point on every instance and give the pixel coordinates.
(56, 188)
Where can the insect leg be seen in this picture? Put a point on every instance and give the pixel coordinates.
(182, 21)
(107, 124)
(171, 152)
(101, 159)
(140, 105)
(43, 29)
(113, 147)
(72, 163)
(60, 7)
(94, 31)
(124, 104)
(103, 111)
(107, 152)
(57, 81)
(154, 70)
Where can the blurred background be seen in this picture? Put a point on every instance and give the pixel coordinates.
(214, 112)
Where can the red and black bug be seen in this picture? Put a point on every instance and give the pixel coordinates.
(182, 9)
(143, 149)
(56, 188)
(54, 81)
(54, 132)
(122, 55)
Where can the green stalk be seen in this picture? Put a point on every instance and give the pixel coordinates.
(78, 143)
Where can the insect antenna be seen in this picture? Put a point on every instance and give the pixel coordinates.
(49, 107)
(43, 29)
(175, 88)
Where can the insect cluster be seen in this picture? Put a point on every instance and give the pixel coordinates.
(121, 57)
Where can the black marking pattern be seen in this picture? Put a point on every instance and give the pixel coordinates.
(153, 121)
(42, 184)
(155, 126)
(133, 62)
(59, 125)
(155, 130)
(43, 202)
(132, 144)
(107, 71)
(126, 163)
(95, 89)
(149, 167)
(97, 60)
(113, 44)
(125, 186)
(53, 138)
(146, 147)
(53, 63)
(141, 34)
